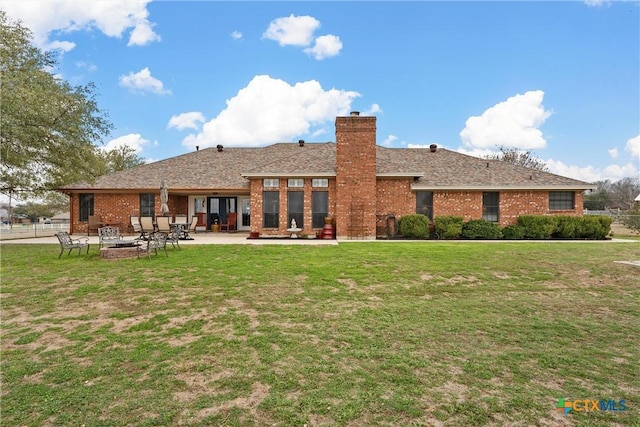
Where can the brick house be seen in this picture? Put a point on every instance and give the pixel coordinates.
(353, 180)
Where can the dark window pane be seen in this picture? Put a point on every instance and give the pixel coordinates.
(490, 206)
(319, 208)
(270, 209)
(295, 208)
(86, 206)
(147, 204)
(561, 200)
(424, 203)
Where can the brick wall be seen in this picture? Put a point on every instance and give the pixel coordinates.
(113, 208)
(256, 206)
(118, 207)
(356, 177)
(468, 204)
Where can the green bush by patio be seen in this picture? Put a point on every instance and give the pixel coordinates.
(414, 226)
(481, 229)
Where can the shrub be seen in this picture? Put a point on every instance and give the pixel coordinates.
(448, 227)
(481, 229)
(414, 226)
(567, 227)
(537, 226)
(594, 227)
(513, 232)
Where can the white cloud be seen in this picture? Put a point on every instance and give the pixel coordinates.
(613, 153)
(590, 173)
(298, 31)
(325, 47)
(112, 18)
(236, 35)
(477, 152)
(511, 123)
(142, 35)
(143, 81)
(633, 146)
(271, 110)
(59, 45)
(292, 30)
(87, 66)
(132, 140)
(389, 140)
(596, 3)
(374, 109)
(189, 120)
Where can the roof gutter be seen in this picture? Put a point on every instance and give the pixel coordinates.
(557, 187)
(287, 174)
(400, 175)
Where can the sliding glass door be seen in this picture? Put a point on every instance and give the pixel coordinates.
(219, 208)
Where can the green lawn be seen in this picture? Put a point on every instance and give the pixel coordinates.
(360, 334)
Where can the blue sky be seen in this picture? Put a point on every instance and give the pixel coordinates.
(561, 79)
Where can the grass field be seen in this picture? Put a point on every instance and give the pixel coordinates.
(360, 334)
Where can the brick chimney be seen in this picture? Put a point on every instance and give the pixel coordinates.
(355, 177)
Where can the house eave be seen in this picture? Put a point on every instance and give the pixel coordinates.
(400, 175)
(564, 187)
(288, 175)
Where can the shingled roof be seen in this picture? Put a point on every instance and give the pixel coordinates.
(228, 170)
(446, 169)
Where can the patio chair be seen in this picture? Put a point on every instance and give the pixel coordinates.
(232, 222)
(93, 223)
(190, 229)
(66, 242)
(174, 237)
(164, 225)
(146, 222)
(155, 240)
(137, 228)
(181, 219)
(109, 235)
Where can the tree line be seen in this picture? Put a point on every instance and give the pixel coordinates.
(51, 133)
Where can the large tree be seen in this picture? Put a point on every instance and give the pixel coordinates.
(624, 191)
(121, 158)
(49, 130)
(600, 198)
(519, 157)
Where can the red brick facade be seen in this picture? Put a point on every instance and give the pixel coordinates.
(359, 199)
(257, 190)
(356, 176)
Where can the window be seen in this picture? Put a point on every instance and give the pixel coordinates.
(86, 206)
(147, 204)
(270, 209)
(319, 208)
(295, 208)
(490, 206)
(320, 182)
(561, 200)
(424, 203)
(271, 182)
(295, 183)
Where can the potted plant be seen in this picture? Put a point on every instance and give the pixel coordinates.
(215, 222)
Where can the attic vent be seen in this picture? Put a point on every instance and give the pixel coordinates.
(355, 113)
(219, 147)
(433, 148)
(301, 142)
